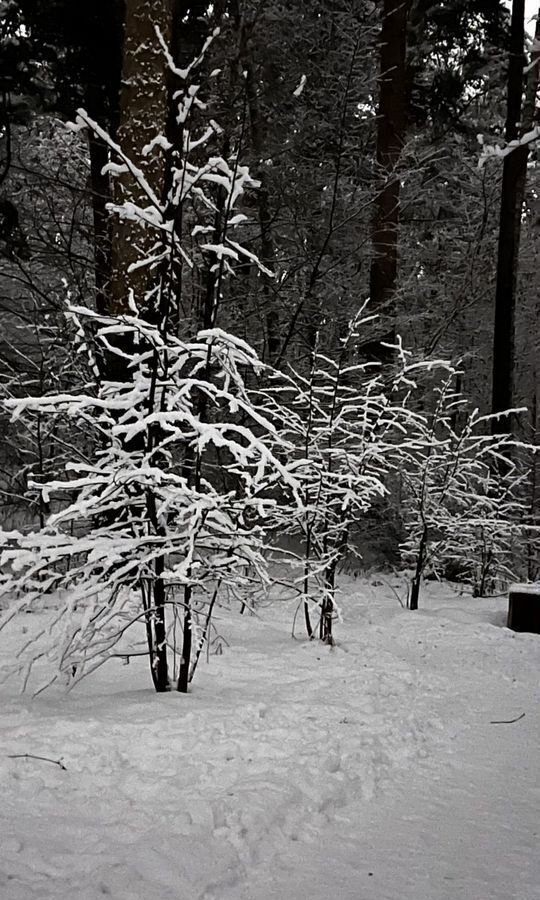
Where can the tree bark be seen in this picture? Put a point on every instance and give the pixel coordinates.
(391, 124)
(513, 189)
(419, 569)
(143, 116)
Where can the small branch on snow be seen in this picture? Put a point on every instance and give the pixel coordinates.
(395, 593)
(507, 721)
(55, 762)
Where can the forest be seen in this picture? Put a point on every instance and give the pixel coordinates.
(269, 470)
(270, 312)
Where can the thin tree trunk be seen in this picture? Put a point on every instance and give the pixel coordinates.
(513, 188)
(157, 630)
(417, 578)
(187, 643)
(391, 123)
(415, 592)
(327, 609)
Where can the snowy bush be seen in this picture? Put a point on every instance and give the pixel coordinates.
(347, 420)
(149, 530)
(465, 498)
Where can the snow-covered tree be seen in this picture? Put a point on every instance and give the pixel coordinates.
(465, 494)
(151, 528)
(347, 421)
(167, 518)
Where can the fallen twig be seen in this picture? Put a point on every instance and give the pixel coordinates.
(506, 721)
(55, 762)
(395, 593)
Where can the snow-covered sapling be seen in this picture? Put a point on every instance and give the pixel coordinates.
(346, 419)
(169, 514)
(464, 500)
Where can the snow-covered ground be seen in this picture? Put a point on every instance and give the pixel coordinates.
(370, 771)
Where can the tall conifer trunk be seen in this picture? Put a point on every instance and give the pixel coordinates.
(513, 188)
(143, 115)
(391, 123)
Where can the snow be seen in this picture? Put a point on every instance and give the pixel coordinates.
(532, 588)
(300, 87)
(370, 770)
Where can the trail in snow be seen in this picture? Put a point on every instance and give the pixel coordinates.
(463, 824)
(292, 771)
(454, 836)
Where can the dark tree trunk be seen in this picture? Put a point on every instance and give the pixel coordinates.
(415, 593)
(187, 642)
(513, 188)
(156, 625)
(160, 630)
(327, 610)
(391, 123)
(143, 115)
(419, 569)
